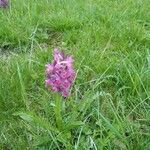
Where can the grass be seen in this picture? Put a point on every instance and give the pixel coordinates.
(110, 103)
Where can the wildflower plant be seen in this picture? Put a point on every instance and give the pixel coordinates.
(59, 79)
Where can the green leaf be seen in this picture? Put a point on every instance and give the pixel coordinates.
(39, 121)
(40, 141)
(73, 125)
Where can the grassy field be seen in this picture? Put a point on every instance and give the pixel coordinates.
(109, 107)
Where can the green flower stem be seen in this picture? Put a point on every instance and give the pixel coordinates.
(57, 110)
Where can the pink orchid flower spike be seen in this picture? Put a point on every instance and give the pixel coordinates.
(60, 73)
(4, 3)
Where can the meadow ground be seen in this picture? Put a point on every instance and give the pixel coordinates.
(109, 107)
